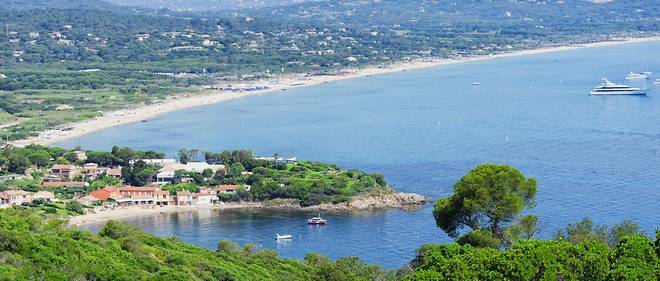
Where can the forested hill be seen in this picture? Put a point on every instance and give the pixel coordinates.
(58, 4)
(206, 5)
(533, 16)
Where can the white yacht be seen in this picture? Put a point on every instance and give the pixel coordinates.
(657, 81)
(609, 88)
(636, 76)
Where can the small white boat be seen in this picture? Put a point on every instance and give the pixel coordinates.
(316, 220)
(647, 73)
(476, 83)
(657, 81)
(636, 76)
(283, 237)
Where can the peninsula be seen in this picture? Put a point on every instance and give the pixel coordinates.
(124, 182)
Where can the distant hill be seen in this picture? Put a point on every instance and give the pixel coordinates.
(206, 5)
(58, 4)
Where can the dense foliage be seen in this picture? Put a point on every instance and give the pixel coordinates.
(310, 183)
(632, 258)
(35, 248)
(488, 200)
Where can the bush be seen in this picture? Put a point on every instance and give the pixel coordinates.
(75, 207)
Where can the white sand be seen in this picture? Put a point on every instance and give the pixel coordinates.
(129, 212)
(183, 101)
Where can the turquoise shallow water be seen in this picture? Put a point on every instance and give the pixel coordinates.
(423, 129)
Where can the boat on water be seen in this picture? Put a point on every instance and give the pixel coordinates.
(657, 81)
(609, 88)
(647, 73)
(476, 83)
(636, 76)
(283, 237)
(317, 220)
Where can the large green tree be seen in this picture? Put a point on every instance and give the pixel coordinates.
(490, 197)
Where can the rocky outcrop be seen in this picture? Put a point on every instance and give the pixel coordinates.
(366, 202)
(405, 201)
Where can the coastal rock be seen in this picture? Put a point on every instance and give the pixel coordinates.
(405, 201)
(368, 202)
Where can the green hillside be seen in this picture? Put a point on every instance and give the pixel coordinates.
(38, 248)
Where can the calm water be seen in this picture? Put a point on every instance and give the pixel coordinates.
(592, 156)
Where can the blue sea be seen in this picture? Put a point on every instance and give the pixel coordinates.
(595, 157)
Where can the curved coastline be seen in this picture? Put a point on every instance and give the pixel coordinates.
(184, 101)
(402, 201)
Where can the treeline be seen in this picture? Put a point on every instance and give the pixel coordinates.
(633, 258)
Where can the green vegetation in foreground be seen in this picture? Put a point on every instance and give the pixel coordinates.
(34, 247)
(496, 242)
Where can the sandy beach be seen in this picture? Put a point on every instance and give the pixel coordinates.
(129, 212)
(275, 85)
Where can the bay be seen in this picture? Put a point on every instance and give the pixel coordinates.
(594, 157)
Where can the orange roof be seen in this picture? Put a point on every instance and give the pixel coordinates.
(228, 187)
(63, 184)
(104, 193)
(161, 192)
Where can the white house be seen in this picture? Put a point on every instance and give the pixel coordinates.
(167, 173)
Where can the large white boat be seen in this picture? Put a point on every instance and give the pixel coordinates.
(609, 88)
(636, 76)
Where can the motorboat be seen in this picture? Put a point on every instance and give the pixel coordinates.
(283, 237)
(476, 83)
(609, 88)
(636, 76)
(316, 220)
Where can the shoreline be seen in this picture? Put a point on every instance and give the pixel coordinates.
(278, 84)
(366, 203)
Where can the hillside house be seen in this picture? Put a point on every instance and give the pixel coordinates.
(184, 198)
(65, 172)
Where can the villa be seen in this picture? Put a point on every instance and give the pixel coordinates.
(64, 172)
(184, 198)
(18, 197)
(206, 197)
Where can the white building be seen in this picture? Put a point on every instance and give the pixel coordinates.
(168, 172)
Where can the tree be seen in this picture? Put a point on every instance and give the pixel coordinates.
(185, 156)
(227, 247)
(587, 230)
(490, 197)
(140, 174)
(75, 207)
(526, 228)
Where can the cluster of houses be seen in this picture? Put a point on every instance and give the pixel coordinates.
(129, 196)
(65, 176)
